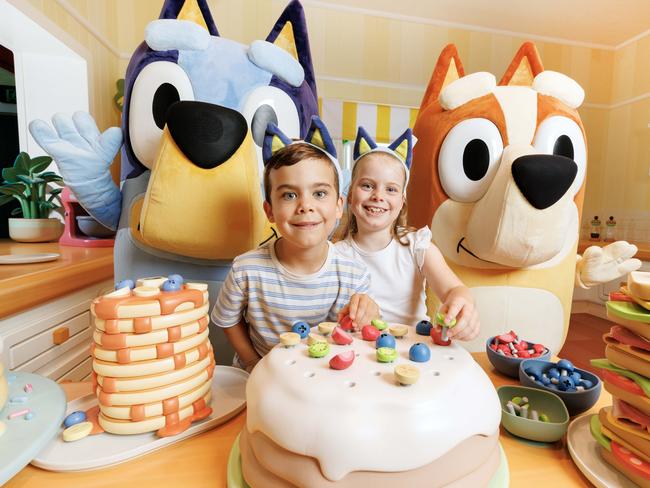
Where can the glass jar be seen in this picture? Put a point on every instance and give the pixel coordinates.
(610, 229)
(594, 233)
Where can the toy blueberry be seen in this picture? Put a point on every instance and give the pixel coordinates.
(301, 328)
(419, 353)
(385, 340)
(423, 327)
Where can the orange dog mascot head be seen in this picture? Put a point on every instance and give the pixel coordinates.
(498, 173)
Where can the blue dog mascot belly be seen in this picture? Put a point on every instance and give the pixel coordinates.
(196, 107)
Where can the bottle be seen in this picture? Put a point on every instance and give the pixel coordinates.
(610, 229)
(594, 235)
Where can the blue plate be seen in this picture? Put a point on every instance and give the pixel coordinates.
(24, 439)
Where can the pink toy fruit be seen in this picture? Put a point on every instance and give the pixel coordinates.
(369, 333)
(346, 323)
(342, 360)
(341, 337)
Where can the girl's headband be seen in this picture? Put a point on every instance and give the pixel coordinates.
(317, 136)
(401, 149)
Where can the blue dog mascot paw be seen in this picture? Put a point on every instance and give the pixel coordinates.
(196, 107)
(83, 156)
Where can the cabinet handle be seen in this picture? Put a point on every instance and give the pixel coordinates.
(60, 335)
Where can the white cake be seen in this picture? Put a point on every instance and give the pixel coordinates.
(310, 425)
(152, 359)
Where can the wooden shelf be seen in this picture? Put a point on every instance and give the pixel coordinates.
(23, 286)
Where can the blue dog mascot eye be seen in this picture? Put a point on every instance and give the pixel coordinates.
(196, 106)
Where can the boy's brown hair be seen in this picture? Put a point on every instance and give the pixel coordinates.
(290, 155)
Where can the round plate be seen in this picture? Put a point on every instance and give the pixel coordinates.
(584, 451)
(98, 451)
(28, 258)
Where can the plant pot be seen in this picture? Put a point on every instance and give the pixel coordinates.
(35, 230)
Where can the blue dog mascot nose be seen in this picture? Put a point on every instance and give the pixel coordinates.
(207, 134)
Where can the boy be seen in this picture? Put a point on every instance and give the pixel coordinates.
(301, 276)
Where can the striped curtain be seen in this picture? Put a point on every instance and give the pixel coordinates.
(383, 122)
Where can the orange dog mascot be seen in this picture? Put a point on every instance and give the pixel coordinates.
(499, 175)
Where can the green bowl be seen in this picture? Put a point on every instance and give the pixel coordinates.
(542, 401)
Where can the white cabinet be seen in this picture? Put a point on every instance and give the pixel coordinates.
(52, 339)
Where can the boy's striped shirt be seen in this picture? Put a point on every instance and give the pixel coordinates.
(271, 298)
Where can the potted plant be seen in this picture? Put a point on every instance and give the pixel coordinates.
(27, 183)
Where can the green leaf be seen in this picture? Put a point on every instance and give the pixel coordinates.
(22, 163)
(26, 179)
(39, 164)
(15, 189)
(6, 199)
(49, 178)
(55, 191)
(9, 175)
(16, 211)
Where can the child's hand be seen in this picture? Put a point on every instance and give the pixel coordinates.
(362, 310)
(459, 304)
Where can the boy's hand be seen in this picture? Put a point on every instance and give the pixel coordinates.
(362, 310)
(459, 304)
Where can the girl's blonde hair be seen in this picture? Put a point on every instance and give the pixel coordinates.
(348, 225)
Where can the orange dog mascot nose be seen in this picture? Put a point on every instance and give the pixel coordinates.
(499, 175)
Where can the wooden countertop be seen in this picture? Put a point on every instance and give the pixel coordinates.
(202, 460)
(23, 286)
(643, 254)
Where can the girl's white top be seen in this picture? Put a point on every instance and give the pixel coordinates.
(396, 280)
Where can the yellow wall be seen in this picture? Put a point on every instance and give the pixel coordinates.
(623, 182)
(389, 61)
(80, 24)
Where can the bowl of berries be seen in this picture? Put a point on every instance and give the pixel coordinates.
(577, 388)
(507, 351)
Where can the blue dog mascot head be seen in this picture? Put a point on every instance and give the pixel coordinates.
(196, 108)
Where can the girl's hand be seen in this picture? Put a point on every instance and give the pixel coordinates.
(459, 304)
(362, 310)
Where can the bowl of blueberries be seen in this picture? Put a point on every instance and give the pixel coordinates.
(507, 351)
(578, 389)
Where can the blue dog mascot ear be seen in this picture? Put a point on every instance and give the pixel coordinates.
(290, 33)
(195, 10)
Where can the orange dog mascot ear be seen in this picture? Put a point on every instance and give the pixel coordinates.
(499, 175)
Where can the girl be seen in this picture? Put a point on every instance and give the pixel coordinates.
(400, 259)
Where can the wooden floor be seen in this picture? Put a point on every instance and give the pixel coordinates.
(585, 340)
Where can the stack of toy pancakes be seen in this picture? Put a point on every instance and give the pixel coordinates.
(152, 360)
(623, 429)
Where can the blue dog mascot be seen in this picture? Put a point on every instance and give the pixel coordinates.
(196, 107)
